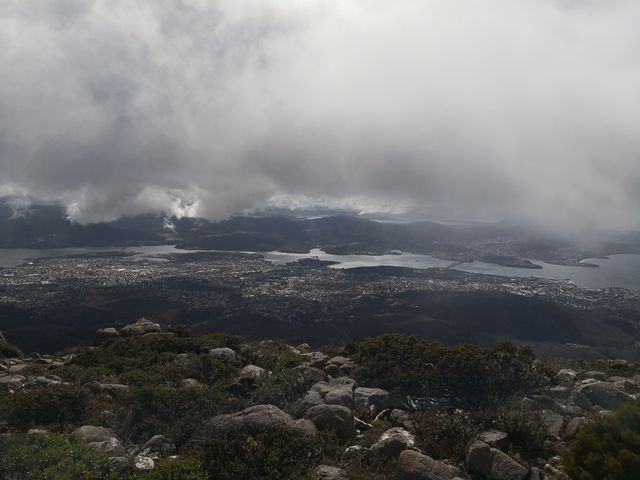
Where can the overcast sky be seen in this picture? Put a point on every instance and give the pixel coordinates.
(519, 109)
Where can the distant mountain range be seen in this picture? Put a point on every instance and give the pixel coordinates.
(47, 226)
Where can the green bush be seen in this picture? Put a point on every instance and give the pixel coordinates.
(277, 456)
(446, 435)
(56, 406)
(607, 448)
(177, 413)
(464, 376)
(51, 457)
(184, 468)
(526, 431)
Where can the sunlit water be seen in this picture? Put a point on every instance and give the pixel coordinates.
(615, 271)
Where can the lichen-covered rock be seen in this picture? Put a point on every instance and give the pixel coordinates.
(333, 417)
(336, 391)
(260, 419)
(143, 463)
(553, 422)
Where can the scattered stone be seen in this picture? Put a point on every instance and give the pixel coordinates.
(261, 419)
(605, 395)
(596, 375)
(333, 417)
(325, 472)
(416, 466)
(226, 355)
(392, 442)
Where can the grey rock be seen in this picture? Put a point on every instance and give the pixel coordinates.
(159, 445)
(260, 419)
(325, 472)
(189, 364)
(139, 328)
(120, 464)
(553, 422)
(226, 355)
(311, 375)
(315, 359)
(493, 464)
(252, 373)
(413, 465)
(110, 446)
(596, 375)
(567, 377)
(494, 438)
(336, 391)
(625, 384)
(190, 383)
(333, 417)
(143, 463)
(369, 400)
(391, 443)
(400, 418)
(92, 434)
(105, 335)
(605, 395)
(574, 426)
(559, 392)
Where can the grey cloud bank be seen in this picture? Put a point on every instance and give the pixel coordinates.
(525, 109)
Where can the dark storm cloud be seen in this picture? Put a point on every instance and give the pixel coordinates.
(524, 109)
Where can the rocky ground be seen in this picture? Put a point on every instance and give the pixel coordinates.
(364, 419)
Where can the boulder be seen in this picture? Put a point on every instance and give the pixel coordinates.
(11, 381)
(627, 385)
(103, 439)
(596, 375)
(369, 400)
(574, 426)
(252, 373)
(413, 465)
(143, 463)
(493, 464)
(139, 328)
(553, 422)
(494, 438)
(567, 377)
(119, 464)
(391, 443)
(325, 472)
(336, 391)
(191, 383)
(605, 395)
(400, 418)
(159, 445)
(226, 355)
(105, 335)
(311, 375)
(315, 359)
(260, 419)
(91, 434)
(333, 417)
